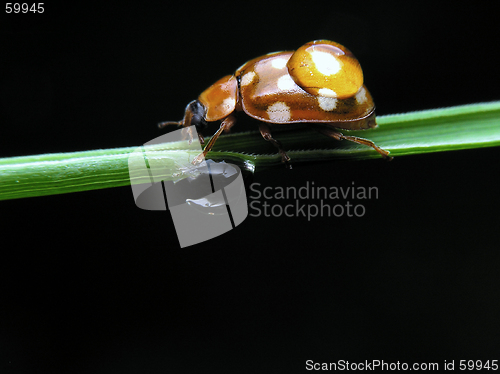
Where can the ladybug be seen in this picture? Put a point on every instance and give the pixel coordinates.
(320, 84)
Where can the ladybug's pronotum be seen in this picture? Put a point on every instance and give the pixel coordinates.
(320, 84)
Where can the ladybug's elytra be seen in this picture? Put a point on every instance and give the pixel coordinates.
(321, 84)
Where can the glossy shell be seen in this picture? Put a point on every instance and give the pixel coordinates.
(270, 94)
(326, 68)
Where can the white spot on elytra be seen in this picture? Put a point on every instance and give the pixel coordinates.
(361, 95)
(278, 112)
(228, 103)
(279, 63)
(286, 83)
(326, 63)
(327, 92)
(247, 78)
(327, 103)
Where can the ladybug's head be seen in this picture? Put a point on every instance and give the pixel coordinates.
(195, 111)
(194, 115)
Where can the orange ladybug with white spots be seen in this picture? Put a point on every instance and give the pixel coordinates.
(321, 84)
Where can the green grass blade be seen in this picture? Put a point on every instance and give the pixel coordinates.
(446, 129)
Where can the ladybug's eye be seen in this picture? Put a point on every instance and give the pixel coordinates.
(327, 69)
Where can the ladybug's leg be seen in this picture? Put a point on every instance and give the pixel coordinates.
(339, 136)
(265, 131)
(226, 123)
(229, 125)
(186, 120)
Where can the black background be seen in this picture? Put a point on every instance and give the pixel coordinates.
(91, 284)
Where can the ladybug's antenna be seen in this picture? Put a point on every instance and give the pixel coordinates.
(161, 125)
(186, 121)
